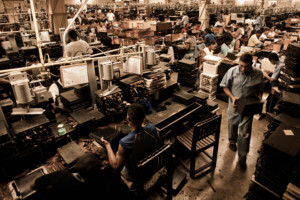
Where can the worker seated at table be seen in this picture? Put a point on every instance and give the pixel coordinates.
(209, 50)
(264, 34)
(30, 62)
(138, 144)
(208, 36)
(197, 27)
(241, 42)
(220, 23)
(254, 39)
(226, 46)
(76, 47)
(239, 32)
(271, 34)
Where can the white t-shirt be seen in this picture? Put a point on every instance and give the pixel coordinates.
(185, 20)
(263, 37)
(77, 48)
(271, 34)
(110, 17)
(208, 52)
(219, 24)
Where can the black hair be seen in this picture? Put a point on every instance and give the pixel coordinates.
(240, 24)
(273, 56)
(190, 32)
(72, 34)
(198, 22)
(137, 113)
(207, 30)
(33, 58)
(246, 58)
(212, 42)
(258, 31)
(88, 166)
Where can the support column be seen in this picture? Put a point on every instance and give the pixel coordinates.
(57, 14)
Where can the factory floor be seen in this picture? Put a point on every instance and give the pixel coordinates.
(228, 182)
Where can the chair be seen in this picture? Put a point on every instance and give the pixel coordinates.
(153, 166)
(204, 135)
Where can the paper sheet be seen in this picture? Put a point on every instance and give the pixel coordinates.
(288, 132)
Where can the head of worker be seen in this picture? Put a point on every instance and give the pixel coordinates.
(239, 25)
(135, 116)
(258, 33)
(72, 35)
(245, 64)
(213, 45)
(273, 58)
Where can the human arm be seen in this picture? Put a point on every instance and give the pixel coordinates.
(117, 161)
(4, 81)
(230, 95)
(237, 45)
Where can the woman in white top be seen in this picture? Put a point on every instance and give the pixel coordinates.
(271, 33)
(209, 50)
(240, 31)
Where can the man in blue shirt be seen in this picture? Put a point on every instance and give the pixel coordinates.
(130, 151)
(208, 36)
(242, 81)
(274, 59)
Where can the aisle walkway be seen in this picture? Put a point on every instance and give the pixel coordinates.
(228, 181)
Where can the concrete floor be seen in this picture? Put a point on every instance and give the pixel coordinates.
(228, 180)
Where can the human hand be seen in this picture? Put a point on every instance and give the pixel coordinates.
(104, 142)
(233, 99)
(265, 74)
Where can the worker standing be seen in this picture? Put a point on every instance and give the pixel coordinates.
(110, 17)
(242, 81)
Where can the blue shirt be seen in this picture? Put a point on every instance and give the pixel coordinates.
(276, 73)
(209, 38)
(127, 142)
(242, 86)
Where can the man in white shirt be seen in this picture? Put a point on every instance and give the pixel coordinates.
(76, 47)
(185, 20)
(220, 23)
(110, 16)
(254, 39)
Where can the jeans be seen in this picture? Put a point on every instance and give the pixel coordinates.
(240, 135)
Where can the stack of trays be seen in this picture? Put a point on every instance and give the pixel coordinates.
(188, 73)
(134, 89)
(209, 85)
(275, 167)
(155, 81)
(289, 79)
(74, 100)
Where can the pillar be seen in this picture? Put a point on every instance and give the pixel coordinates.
(57, 14)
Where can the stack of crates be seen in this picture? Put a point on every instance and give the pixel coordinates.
(209, 85)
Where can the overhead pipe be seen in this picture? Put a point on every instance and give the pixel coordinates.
(68, 27)
(39, 42)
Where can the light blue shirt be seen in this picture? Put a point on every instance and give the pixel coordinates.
(242, 86)
(258, 23)
(276, 73)
(225, 49)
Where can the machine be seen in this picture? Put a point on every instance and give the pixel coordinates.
(26, 96)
